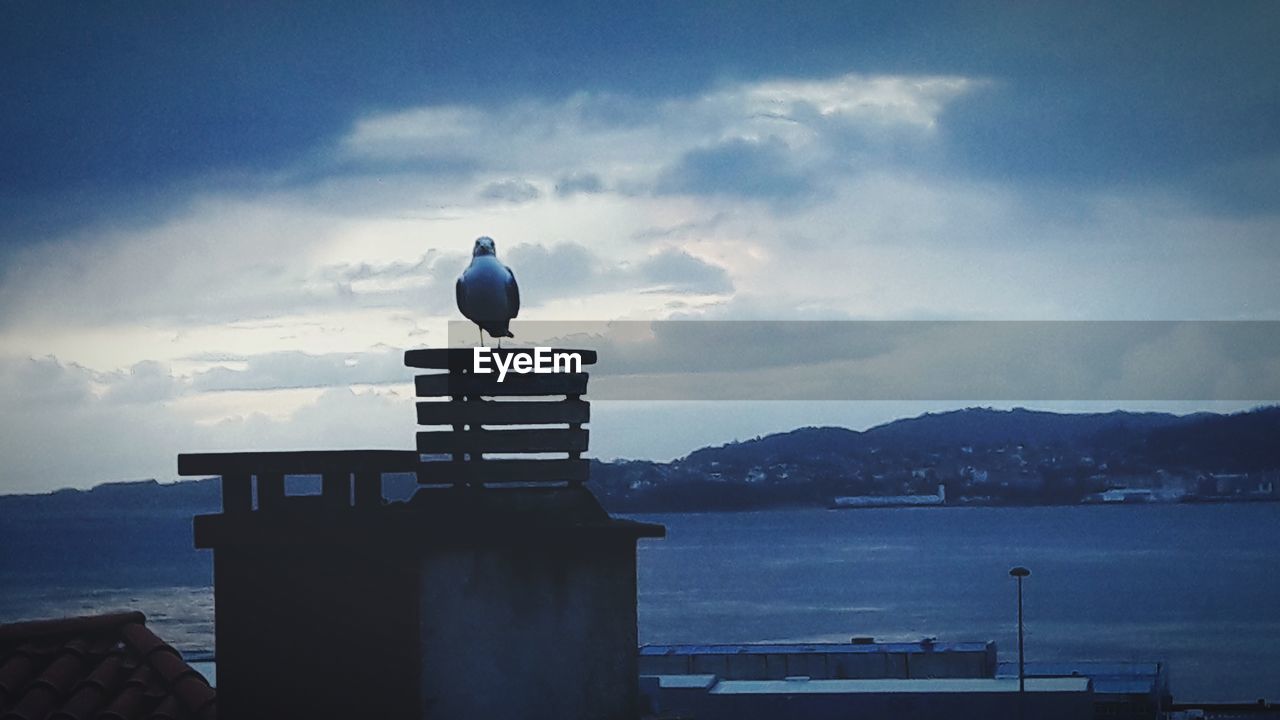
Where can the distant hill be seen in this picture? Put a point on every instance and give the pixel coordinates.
(1008, 455)
(971, 427)
(149, 497)
(133, 497)
(1242, 443)
(985, 426)
(1000, 456)
(981, 427)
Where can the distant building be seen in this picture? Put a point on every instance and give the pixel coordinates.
(870, 501)
(1238, 486)
(1136, 495)
(861, 659)
(707, 697)
(864, 678)
(1260, 710)
(1125, 495)
(1121, 690)
(1243, 485)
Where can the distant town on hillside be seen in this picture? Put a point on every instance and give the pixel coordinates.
(964, 457)
(977, 456)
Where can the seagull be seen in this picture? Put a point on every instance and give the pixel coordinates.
(487, 292)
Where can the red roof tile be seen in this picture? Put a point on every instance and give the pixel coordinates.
(97, 668)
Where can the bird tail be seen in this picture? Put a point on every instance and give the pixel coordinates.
(498, 331)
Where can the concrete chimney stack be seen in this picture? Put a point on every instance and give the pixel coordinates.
(470, 601)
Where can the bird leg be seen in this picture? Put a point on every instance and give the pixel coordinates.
(481, 331)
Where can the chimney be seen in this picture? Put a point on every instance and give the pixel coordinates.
(502, 589)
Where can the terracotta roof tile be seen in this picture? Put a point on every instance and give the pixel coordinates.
(35, 704)
(195, 693)
(15, 672)
(103, 666)
(66, 669)
(143, 641)
(94, 691)
(126, 706)
(168, 709)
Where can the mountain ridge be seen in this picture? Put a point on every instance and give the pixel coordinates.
(807, 465)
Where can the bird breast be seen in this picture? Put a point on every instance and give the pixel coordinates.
(486, 283)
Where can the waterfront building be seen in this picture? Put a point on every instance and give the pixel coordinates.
(1121, 690)
(706, 697)
(860, 659)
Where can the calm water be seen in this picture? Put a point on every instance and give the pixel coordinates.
(1195, 585)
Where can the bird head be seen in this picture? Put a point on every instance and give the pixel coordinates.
(484, 246)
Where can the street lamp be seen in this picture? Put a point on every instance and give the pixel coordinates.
(1020, 572)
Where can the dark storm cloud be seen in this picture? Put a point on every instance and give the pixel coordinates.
(142, 93)
(1160, 93)
(108, 102)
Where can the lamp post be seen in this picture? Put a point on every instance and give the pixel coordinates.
(1019, 573)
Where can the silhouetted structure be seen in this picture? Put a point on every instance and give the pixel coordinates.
(445, 606)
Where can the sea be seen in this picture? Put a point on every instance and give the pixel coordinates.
(1194, 586)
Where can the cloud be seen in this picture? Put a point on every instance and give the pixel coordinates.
(146, 382)
(96, 440)
(875, 100)
(224, 259)
(591, 141)
(546, 273)
(424, 284)
(133, 424)
(1111, 95)
(69, 425)
(678, 271)
(46, 381)
(747, 168)
(961, 186)
(1123, 97)
(960, 361)
(291, 370)
(341, 242)
(556, 271)
(512, 191)
(587, 183)
(569, 269)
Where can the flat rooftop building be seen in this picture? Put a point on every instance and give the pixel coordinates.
(1121, 690)
(707, 697)
(860, 659)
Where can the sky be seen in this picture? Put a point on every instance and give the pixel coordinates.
(221, 225)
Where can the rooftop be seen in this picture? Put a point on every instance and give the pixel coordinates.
(795, 686)
(101, 666)
(834, 648)
(1109, 678)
